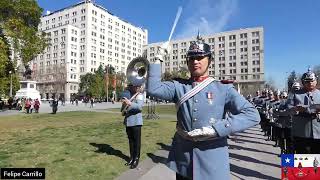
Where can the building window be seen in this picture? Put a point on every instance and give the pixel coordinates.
(221, 39)
(232, 37)
(211, 40)
(255, 34)
(243, 35)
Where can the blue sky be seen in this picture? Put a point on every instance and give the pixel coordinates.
(291, 27)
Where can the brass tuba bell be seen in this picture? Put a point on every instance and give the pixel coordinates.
(137, 71)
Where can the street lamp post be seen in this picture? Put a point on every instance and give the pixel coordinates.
(107, 80)
(10, 94)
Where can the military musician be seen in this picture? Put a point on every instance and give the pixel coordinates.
(132, 100)
(305, 120)
(199, 148)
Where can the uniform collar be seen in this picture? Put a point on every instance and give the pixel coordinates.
(199, 78)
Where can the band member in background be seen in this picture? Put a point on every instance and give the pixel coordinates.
(306, 120)
(132, 102)
(199, 148)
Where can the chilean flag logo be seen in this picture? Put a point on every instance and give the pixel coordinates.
(300, 166)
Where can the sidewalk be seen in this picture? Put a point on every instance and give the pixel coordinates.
(251, 157)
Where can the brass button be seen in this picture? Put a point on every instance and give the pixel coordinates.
(195, 110)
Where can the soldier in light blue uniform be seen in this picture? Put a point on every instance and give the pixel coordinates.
(132, 100)
(284, 120)
(199, 148)
(306, 119)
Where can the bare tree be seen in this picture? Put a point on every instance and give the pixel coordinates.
(52, 79)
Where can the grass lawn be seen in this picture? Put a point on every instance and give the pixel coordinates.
(77, 145)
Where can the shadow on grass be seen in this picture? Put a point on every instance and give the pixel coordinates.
(159, 159)
(164, 146)
(109, 150)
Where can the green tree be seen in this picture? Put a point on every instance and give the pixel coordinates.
(110, 75)
(100, 71)
(86, 81)
(97, 88)
(167, 76)
(19, 21)
(110, 69)
(26, 10)
(182, 73)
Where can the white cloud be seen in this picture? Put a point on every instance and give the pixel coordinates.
(207, 16)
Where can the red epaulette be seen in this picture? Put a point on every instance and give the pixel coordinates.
(227, 81)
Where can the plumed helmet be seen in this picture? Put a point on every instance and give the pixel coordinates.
(199, 48)
(284, 94)
(296, 86)
(270, 92)
(309, 76)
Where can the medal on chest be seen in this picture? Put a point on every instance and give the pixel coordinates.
(210, 97)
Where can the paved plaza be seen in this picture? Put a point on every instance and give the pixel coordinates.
(251, 157)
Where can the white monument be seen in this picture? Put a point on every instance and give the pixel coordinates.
(28, 90)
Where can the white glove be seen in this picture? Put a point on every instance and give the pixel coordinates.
(195, 132)
(204, 131)
(163, 51)
(208, 131)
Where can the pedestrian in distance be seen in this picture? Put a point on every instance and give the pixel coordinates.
(54, 105)
(91, 102)
(36, 105)
(28, 105)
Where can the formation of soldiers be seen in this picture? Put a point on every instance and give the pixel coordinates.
(292, 119)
